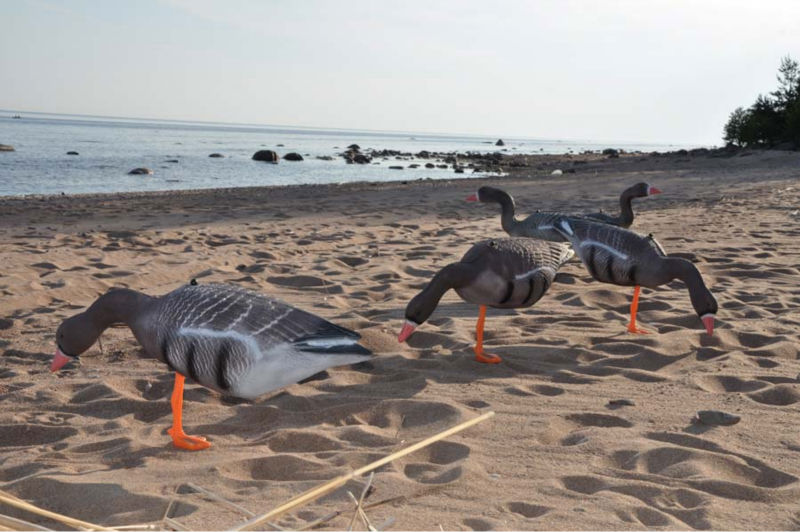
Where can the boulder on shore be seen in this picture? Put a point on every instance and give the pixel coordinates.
(268, 156)
(293, 156)
(6, 147)
(141, 171)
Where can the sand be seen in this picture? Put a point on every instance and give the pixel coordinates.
(90, 440)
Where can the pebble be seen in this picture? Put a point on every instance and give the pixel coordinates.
(716, 417)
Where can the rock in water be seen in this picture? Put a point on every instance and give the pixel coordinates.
(141, 171)
(268, 156)
(293, 157)
(6, 147)
(499, 142)
(72, 153)
(216, 155)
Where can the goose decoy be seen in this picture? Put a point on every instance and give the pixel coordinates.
(237, 342)
(501, 273)
(625, 218)
(622, 257)
(540, 224)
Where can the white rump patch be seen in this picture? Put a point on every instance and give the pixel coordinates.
(606, 247)
(566, 227)
(330, 342)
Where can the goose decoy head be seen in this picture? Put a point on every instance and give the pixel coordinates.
(706, 307)
(73, 337)
(418, 310)
(489, 194)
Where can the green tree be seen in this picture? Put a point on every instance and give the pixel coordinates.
(734, 129)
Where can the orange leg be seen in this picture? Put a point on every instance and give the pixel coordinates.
(634, 307)
(179, 438)
(480, 356)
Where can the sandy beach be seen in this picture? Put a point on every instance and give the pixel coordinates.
(90, 441)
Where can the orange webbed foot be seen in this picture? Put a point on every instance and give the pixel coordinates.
(633, 329)
(487, 358)
(186, 442)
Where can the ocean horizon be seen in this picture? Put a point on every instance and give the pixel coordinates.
(177, 152)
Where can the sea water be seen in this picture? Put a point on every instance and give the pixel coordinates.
(108, 148)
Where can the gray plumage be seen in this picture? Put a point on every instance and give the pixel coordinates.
(619, 256)
(501, 273)
(226, 338)
(612, 254)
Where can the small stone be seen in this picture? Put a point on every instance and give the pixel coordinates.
(715, 417)
(216, 155)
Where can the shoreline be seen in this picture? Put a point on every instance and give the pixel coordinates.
(516, 166)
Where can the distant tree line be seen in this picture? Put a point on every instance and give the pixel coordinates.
(773, 120)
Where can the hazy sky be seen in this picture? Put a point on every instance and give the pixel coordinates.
(639, 70)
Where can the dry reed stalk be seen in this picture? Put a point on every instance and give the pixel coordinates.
(23, 505)
(12, 523)
(359, 511)
(319, 491)
(142, 526)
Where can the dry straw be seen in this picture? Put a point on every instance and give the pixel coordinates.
(319, 491)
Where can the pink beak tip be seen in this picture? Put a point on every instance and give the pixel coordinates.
(405, 332)
(708, 321)
(654, 190)
(59, 361)
(473, 197)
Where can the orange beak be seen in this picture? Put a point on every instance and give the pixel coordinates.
(653, 190)
(59, 360)
(474, 197)
(708, 321)
(406, 331)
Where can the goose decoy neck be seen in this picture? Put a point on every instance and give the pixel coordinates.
(420, 308)
(702, 299)
(639, 190)
(77, 333)
(506, 201)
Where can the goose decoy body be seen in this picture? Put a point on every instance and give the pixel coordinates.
(625, 218)
(540, 224)
(500, 273)
(235, 341)
(619, 256)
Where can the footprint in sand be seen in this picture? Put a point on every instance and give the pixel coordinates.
(437, 463)
(530, 511)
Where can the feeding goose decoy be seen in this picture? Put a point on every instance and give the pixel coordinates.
(540, 224)
(622, 257)
(501, 273)
(235, 341)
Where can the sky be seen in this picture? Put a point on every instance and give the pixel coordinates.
(627, 70)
